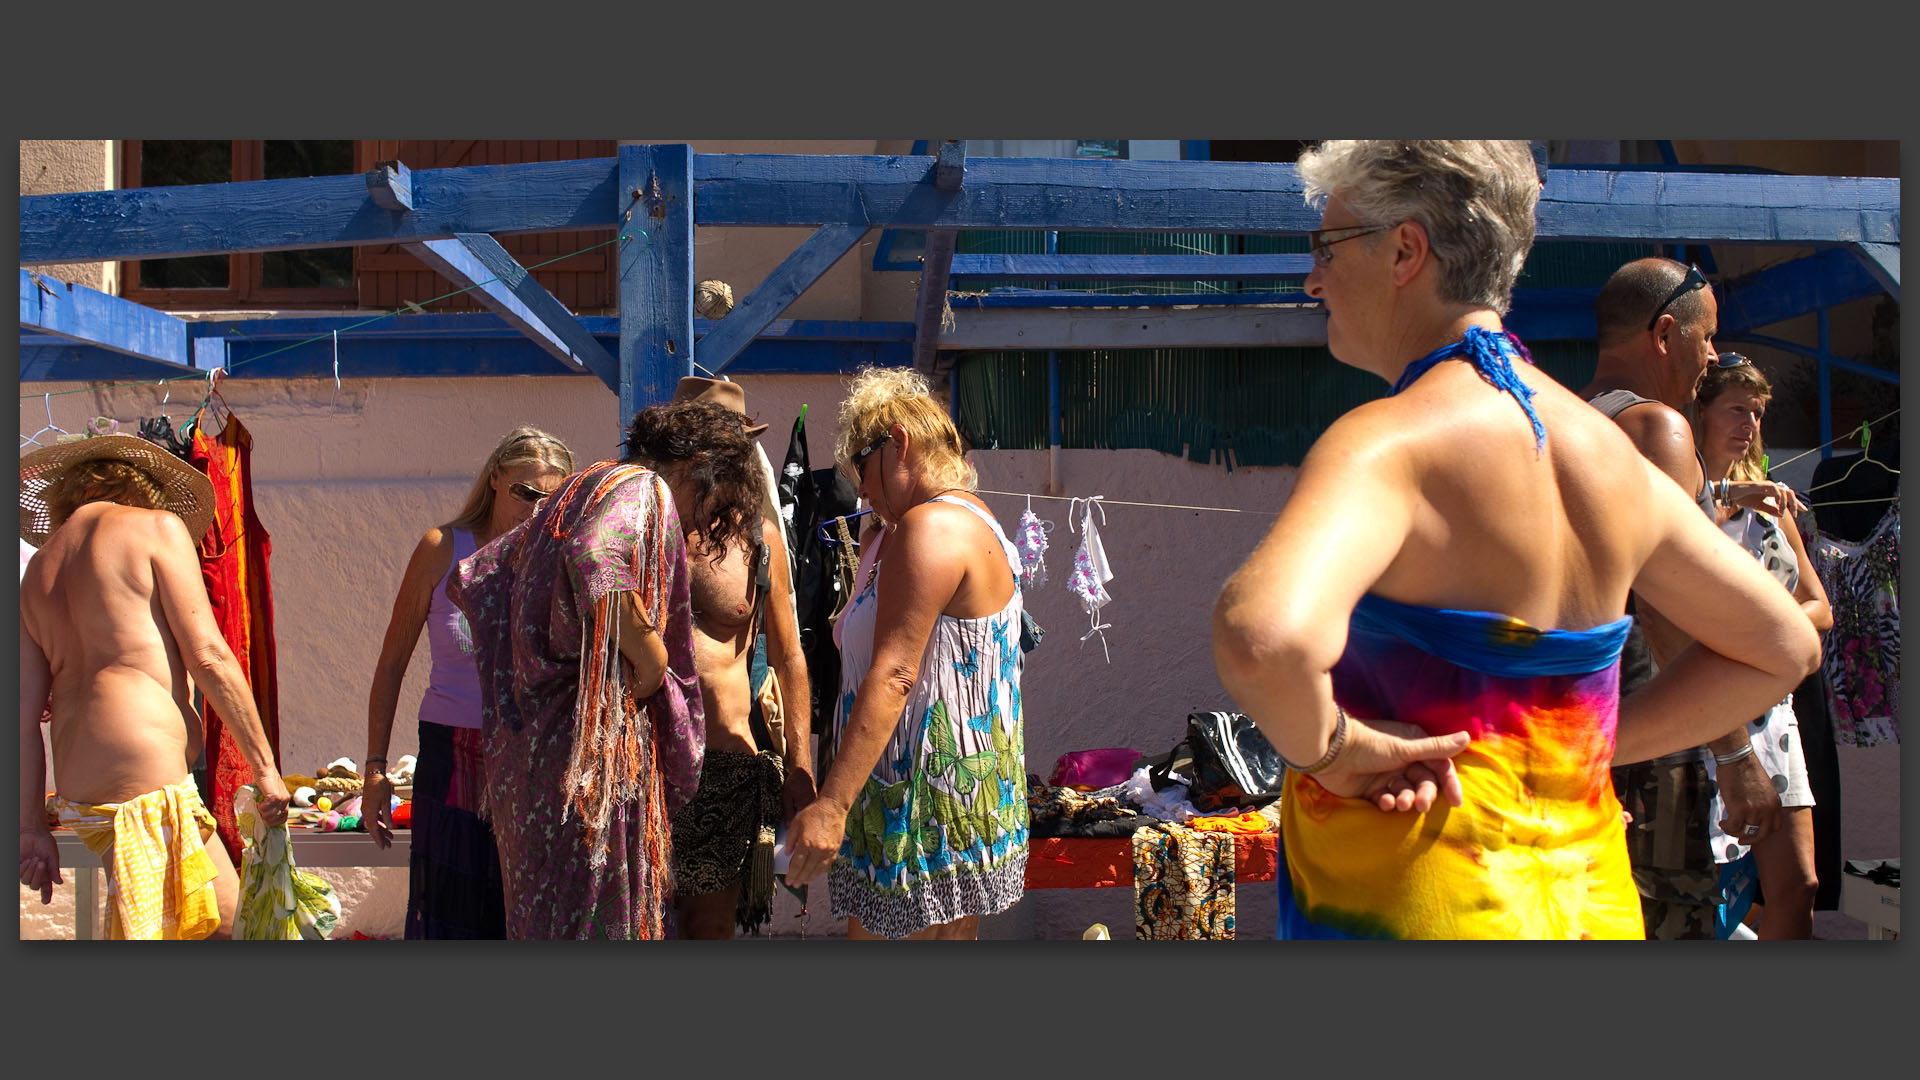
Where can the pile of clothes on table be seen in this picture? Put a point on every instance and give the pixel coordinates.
(1183, 854)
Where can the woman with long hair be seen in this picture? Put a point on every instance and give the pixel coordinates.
(453, 869)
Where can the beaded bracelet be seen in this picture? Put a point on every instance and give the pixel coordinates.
(1334, 745)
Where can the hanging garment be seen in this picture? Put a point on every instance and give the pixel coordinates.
(277, 901)
(1091, 573)
(1031, 539)
(1183, 884)
(234, 556)
(1862, 660)
(822, 584)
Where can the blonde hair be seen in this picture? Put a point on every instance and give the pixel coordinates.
(882, 397)
(1717, 381)
(101, 480)
(522, 444)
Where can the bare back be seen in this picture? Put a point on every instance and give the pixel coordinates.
(1555, 538)
(123, 724)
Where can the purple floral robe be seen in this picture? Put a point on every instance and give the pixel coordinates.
(580, 776)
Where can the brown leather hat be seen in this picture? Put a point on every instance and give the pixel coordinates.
(720, 392)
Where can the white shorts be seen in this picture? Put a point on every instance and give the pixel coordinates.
(1776, 742)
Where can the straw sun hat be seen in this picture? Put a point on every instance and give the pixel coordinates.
(184, 490)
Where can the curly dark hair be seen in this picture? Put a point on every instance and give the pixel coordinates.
(712, 440)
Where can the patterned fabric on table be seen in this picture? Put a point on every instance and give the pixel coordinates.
(277, 902)
(1537, 851)
(1182, 884)
(159, 875)
(939, 831)
(1863, 649)
(580, 774)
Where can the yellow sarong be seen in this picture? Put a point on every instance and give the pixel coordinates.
(159, 876)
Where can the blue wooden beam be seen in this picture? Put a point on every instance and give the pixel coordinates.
(950, 165)
(87, 316)
(655, 206)
(1133, 267)
(894, 192)
(1811, 353)
(1883, 262)
(318, 211)
(792, 277)
(506, 288)
(1825, 279)
(390, 186)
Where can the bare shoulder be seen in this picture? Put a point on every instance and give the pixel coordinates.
(1650, 423)
(937, 528)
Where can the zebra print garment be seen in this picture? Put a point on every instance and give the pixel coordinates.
(1862, 660)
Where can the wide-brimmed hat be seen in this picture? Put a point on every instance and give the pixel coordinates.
(720, 392)
(184, 489)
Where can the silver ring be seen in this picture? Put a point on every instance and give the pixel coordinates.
(1751, 830)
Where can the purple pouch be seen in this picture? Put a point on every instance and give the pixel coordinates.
(1094, 768)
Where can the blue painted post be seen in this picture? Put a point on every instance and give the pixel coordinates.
(1826, 393)
(654, 213)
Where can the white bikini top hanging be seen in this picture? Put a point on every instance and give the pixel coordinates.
(1091, 572)
(1030, 539)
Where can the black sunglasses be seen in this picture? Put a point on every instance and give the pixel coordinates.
(528, 493)
(1730, 359)
(860, 456)
(1693, 280)
(1320, 240)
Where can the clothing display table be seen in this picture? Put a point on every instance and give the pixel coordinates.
(311, 848)
(1073, 862)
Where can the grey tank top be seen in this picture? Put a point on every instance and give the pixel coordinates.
(1615, 402)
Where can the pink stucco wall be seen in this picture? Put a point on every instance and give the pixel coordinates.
(347, 480)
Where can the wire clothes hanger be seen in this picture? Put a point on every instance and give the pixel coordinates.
(1866, 437)
(826, 537)
(34, 439)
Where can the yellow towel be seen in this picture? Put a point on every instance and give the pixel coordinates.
(159, 877)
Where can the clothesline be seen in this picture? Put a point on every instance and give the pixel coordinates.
(1844, 435)
(1118, 502)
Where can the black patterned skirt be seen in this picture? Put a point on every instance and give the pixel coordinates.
(453, 875)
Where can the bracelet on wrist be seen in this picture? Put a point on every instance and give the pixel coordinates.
(1334, 745)
(1737, 755)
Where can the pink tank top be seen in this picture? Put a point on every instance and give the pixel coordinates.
(453, 685)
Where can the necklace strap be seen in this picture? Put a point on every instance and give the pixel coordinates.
(1487, 351)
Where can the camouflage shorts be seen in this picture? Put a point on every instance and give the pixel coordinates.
(1673, 867)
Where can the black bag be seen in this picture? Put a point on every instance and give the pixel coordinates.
(1226, 761)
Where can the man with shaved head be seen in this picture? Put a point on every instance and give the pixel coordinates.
(1656, 320)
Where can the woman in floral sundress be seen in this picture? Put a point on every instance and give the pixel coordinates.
(921, 821)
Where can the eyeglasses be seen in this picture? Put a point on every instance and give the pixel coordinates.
(1319, 240)
(1730, 359)
(1693, 280)
(528, 493)
(860, 456)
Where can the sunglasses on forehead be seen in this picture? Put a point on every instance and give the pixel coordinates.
(1730, 359)
(1693, 280)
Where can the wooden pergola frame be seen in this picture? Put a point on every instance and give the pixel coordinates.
(655, 195)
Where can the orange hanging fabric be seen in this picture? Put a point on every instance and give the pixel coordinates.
(234, 555)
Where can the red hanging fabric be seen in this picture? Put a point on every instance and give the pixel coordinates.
(233, 564)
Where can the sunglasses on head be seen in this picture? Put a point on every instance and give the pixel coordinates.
(1319, 241)
(1693, 280)
(1730, 359)
(860, 456)
(528, 493)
